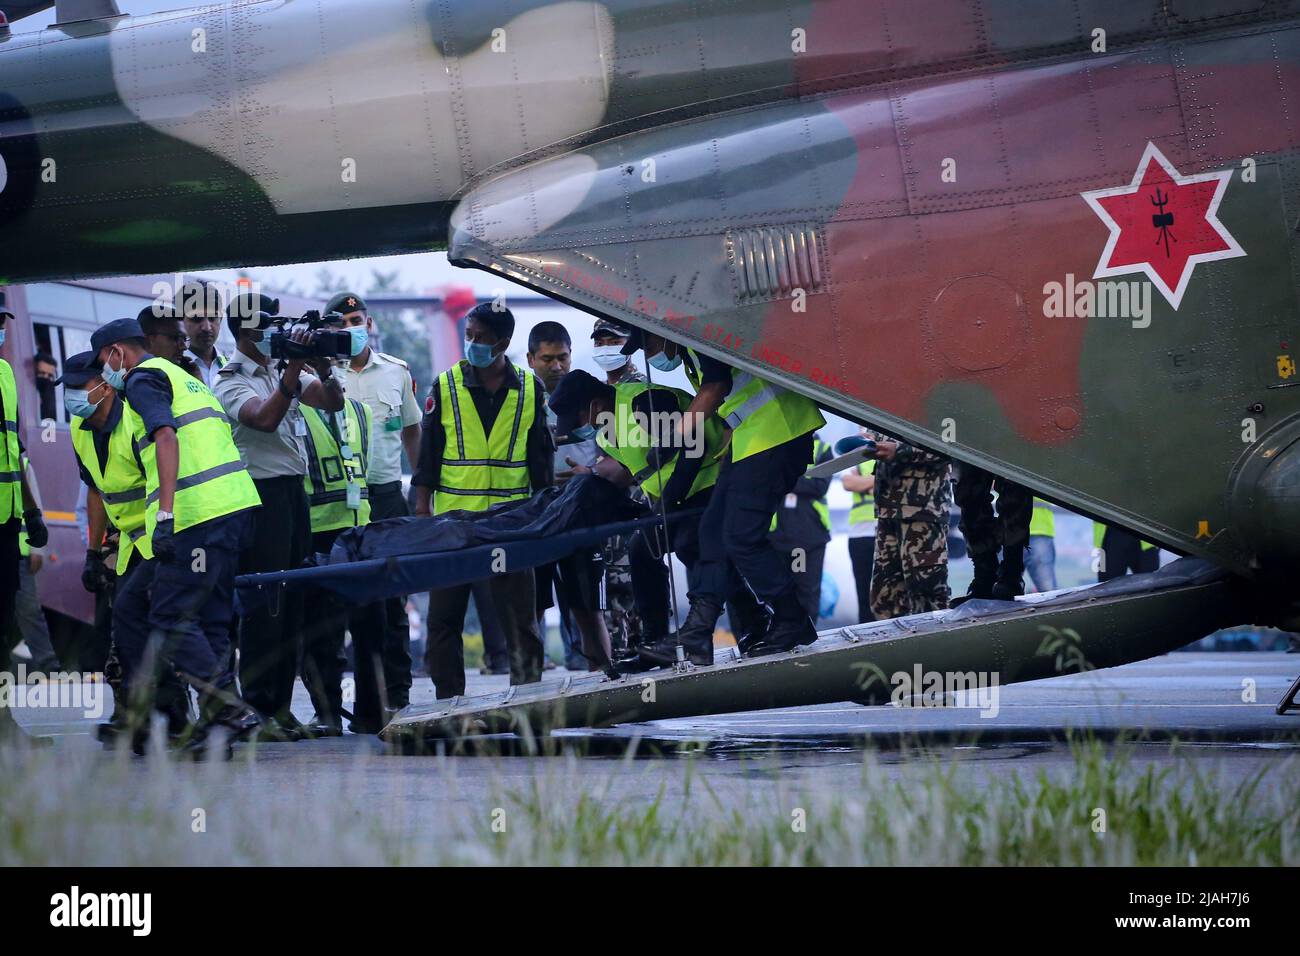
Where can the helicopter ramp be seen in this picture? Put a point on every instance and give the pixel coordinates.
(981, 643)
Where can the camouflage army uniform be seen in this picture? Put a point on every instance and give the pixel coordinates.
(913, 499)
(621, 619)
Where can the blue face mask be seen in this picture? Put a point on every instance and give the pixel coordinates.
(116, 378)
(264, 346)
(2, 336)
(360, 339)
(583, 433)
(77, 402)
(480, 356)
(663, 363)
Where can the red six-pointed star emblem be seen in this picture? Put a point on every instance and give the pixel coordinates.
(1163, 224)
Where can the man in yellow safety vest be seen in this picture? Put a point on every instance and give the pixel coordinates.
(175, 610)
(771, 443)
(485, 441)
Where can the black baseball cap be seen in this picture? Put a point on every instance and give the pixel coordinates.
(114, 332)
(635, 341)
(245, 306)
(79, 369)
(574, 393)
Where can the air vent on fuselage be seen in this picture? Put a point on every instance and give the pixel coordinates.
(772, 262)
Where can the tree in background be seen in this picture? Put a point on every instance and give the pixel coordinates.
(398, 335)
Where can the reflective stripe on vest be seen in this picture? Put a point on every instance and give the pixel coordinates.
(11, 476)
(121, 486)
(480, 470)
(211, 480)
(634, 452)
(762, 416)
(328, 475)
(863, 509)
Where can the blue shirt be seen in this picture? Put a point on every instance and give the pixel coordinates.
(150, 393)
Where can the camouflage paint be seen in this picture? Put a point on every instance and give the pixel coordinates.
(924, 297)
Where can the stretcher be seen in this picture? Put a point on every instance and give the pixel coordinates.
(363, 582)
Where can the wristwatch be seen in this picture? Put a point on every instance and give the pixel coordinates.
(164, 516)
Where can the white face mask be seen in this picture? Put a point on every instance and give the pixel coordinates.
(609, 357)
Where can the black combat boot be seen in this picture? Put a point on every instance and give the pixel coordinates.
(986, 575)
(1010, 583)
(108, 733)
(654, 632)
(791, 628)
(695, 637)
(750, 619)
(173, 702)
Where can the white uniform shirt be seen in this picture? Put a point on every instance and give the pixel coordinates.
(209, 372)
(383, 385)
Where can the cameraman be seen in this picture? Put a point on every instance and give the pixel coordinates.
(261, 396)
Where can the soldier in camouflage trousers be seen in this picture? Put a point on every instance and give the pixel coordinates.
(913, 500)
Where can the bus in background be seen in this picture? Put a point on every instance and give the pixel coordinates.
(57, 319)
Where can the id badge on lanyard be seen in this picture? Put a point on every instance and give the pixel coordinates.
(354, 487)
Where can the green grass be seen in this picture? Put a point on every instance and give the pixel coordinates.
(82, 807)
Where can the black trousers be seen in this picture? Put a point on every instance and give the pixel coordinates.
(323, 658)
(736, 523)
(1122, 553)
(496, 653)
(514, 598)
(862, 553)
(270, 637)
(9, 558)
(386, 501)
(650, 588)
(985, 532)
(808, 581)
(177, 615)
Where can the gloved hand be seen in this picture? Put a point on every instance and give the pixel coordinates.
(92, 573)
(164, 545)
(38, 536)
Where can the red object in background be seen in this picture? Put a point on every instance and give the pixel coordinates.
(457, 300)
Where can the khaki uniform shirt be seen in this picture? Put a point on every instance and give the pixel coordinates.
(266, 454)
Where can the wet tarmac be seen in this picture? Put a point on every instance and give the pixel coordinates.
(1208, 707)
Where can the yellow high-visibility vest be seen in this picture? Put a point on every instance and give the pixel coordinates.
(632, 448)
(1099, 532)
(11, 467)
(332, 468)
(481, 470)
(1043, 521)
(863, 509)
(762, 416)
(211, 480)
(121, 486)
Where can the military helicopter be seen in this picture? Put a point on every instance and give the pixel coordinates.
(1055, 241)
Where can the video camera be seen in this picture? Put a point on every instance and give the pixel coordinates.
(326, 340)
